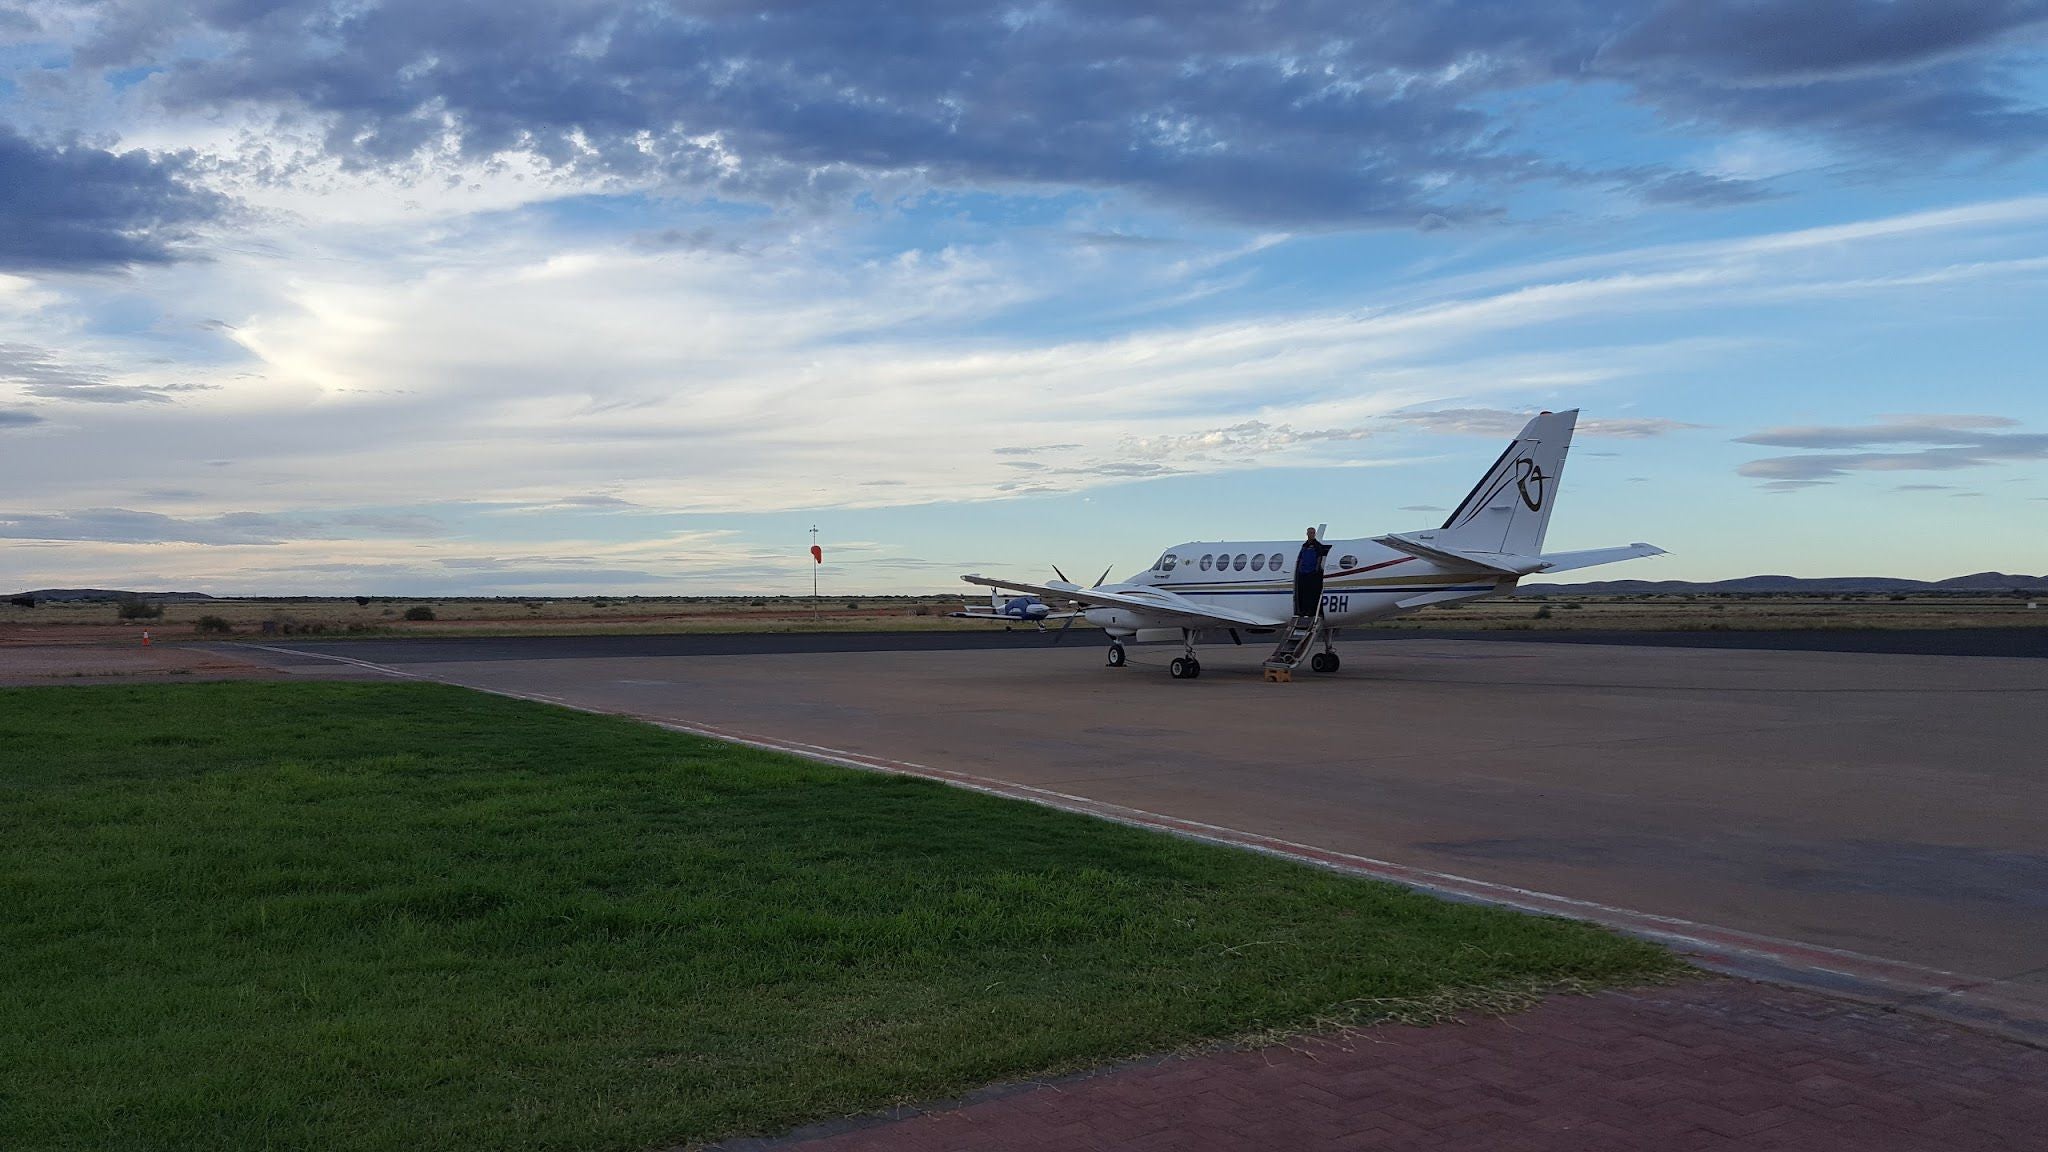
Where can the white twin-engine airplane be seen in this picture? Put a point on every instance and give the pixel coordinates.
(1200, 591)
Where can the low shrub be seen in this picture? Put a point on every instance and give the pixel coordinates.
(419, 612)
(216, 624)
(136, 608)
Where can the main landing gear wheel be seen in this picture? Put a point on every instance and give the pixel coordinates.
(1115, 659)
(1324, 662)
(1184, 668)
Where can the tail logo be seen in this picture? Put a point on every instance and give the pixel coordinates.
(1531, 477)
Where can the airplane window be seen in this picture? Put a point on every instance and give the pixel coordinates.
(1259, 562)
(1239, 563)
(1167, 562)
(1347, 562)
(1275, 562)
(1205, 562)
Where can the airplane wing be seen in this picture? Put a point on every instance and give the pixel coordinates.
(985, 614)
(1172, 611)
(1566, 561)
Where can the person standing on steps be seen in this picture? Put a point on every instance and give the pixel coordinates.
(1308, 575)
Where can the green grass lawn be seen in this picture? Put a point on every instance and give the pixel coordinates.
(342, 916)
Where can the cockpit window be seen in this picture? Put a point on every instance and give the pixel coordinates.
(1167, 562)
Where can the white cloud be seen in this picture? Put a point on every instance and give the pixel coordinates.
(496, 360)
(1501, 422)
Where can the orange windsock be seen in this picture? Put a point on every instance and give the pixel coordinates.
(817, 554)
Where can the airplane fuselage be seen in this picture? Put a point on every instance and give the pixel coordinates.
(1362, 581)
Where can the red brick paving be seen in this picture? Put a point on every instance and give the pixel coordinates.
(1707, 1064)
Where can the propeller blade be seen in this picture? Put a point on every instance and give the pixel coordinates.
(1062, 575)
(1062, 633)
(1101, 578)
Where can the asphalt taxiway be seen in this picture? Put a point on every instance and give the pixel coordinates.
(1875, 816)
(2014, 642)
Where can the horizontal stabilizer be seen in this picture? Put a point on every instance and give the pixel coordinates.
(1567, 561)
(1491, 563)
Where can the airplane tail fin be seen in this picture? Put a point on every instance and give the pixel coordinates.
(995, 599)
(1508, 510)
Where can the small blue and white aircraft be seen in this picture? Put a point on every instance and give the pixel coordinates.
(1201, 591)
(1011, 610)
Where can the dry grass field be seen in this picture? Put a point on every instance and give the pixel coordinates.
(1666, 613)
(255, 618)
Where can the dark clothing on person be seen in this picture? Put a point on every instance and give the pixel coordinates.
(1308, 576)
(1308, 592)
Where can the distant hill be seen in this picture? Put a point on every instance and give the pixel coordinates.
(1979, 582)
(69, 595)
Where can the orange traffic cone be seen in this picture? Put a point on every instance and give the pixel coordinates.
(145, 639)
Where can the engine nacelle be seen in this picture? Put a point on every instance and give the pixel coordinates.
(1114, 621)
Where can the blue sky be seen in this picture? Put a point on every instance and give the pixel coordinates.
(524, 298)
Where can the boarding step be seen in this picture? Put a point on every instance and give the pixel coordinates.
(1300, 636)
